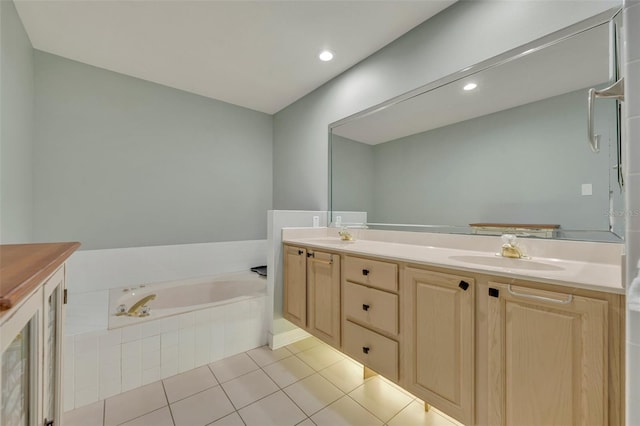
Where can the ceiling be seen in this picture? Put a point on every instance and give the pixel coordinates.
(261, 55)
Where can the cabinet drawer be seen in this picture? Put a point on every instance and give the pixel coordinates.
(372, 307)
(373, 273)
(372, 349)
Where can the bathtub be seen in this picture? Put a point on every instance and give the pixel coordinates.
(178, 297)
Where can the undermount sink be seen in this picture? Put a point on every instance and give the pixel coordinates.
(505, 262)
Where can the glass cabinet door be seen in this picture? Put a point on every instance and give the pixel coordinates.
(16, 380)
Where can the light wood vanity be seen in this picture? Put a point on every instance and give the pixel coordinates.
(484, 348)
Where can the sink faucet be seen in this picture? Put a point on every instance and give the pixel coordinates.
(345, 235)
(510, 247)
(137, 310)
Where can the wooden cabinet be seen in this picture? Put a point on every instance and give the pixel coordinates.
(31, 360)
(312, 292)
(481, 351)
(32, 297)
(295, 285)
(323, 286)
(547, 357)
(439, 311)
(371, 316)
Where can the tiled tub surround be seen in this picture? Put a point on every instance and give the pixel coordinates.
(101, 364)
(587, 265)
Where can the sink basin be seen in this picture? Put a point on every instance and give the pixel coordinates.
(505, 262)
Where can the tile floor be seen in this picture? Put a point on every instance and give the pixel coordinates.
(306, 383)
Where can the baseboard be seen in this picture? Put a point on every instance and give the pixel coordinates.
(285, 338)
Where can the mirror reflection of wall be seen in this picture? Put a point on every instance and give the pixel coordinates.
(500, 157)
(523, 165)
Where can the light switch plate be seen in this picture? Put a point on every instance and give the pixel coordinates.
(587, 189)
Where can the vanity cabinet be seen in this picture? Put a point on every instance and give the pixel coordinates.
(547, 357)
(371, 323)
(440, 317)
(312, 292)
(483, 349)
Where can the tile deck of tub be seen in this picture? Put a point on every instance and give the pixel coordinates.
(305, 383)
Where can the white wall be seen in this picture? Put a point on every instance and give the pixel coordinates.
(464, 34)
(16, 128)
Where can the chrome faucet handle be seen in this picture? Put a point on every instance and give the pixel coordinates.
(510, 239)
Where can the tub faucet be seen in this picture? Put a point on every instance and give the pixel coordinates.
(137, 310)
(510, 247)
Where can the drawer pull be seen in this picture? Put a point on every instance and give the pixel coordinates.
(365, 307)
(300, 252)
(365, 272)
(568, 300)
(365, 349)
(463, 285)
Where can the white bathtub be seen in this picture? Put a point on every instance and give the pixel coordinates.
(178, 297)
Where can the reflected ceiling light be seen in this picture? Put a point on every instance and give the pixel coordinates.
(470, 86)
(325, 56)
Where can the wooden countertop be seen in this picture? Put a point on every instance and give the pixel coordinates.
(24, 266)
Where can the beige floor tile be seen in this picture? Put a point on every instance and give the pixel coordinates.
(345, 412)
(265, 356)
(134, 403)
(232, 367)
(232, 419)
(313, 393)
(161, 417)
(303, 345)
(89, 415)
(249, 388)
(320, 357)
(346, 375)
(202, 408)
(288, 371)
(274, 410)
(189, 383)
(380, 398)
(414, 415)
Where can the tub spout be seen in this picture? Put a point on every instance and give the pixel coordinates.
(137, 310)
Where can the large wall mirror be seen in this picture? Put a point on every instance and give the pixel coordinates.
(511, 150)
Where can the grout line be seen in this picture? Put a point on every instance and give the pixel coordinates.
(168, 404)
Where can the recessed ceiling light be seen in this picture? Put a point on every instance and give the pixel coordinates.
(470, 86)
(325, 56)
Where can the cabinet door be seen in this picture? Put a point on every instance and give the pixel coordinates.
(547, 358)
(323, 279)
(52, 346)
(20, 403)
(441, 340)
(295, 285)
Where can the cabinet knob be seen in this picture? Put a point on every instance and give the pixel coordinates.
(365, 272)
(365, 307)
(300, 252)
(365, 349)
(463, 285)
(48, 422)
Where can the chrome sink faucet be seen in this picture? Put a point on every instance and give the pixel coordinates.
(345, 235)
(510, 247)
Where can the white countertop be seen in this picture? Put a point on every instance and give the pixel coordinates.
(569, 273)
